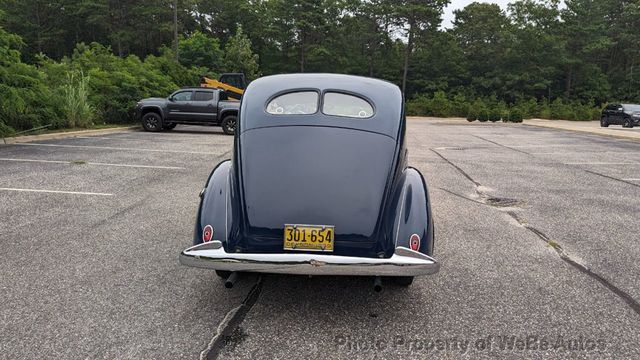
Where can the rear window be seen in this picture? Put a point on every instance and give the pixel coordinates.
(295, 103)
(340, 104)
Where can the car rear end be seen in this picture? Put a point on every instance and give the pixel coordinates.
(315, 159)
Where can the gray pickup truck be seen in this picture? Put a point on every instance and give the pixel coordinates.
(194, 106)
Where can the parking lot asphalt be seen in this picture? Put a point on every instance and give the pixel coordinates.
(536, 229)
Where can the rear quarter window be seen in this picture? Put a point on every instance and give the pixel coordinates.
(339, 104)
(203, 96)
(294, 103)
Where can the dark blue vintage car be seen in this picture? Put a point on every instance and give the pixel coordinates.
(318, 185)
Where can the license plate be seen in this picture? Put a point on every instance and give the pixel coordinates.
(308, 237)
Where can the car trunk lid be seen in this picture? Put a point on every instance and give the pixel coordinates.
(314, 175)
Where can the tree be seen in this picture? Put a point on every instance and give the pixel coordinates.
(355, 41)
(480, 30)
(448, 67)
(38, 23)
(414, 18)
(535, 51)
(201, 50)
(299, 26)
(588, 49)
(239, 57)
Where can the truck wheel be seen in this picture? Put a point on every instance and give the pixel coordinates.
(627, 123)
(604, 122)
(229, 124)
(169, 126)
(152, 122)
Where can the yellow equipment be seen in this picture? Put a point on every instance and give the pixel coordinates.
(232, 83)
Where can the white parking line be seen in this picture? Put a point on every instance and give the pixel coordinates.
(93, 163)
(631, 179)
(560, 152)
(154, 139)
(55, 192)
(601, 163)
(543, 146)
(119, 148)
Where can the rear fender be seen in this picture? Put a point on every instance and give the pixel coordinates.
(214, 205)
(412, 212)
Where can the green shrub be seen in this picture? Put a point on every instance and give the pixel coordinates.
(5, 130)
(515, 115)
(472, 116)
(25, 99)
(573, 114)
(505, 115)
(440, 105)
(545, 111)
(492, 109)
(418, 106)
(422, 105)
(177, 73)
(582, 113)
(495, 115)
(116, 84)
(460, 106)
(483, 115)
(528, 108)
(560, 110)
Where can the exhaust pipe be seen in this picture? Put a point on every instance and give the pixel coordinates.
(231, 280)
(377, 284)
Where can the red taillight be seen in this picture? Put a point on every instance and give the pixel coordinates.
(414, 242)
(207, 233)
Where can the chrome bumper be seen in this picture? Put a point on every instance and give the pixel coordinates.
(404, 262)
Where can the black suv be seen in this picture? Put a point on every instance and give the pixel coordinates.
(627, 115)
(199, 106)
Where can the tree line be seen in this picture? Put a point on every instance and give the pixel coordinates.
(579, 53)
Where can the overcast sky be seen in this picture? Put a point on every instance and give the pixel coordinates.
(448, 17)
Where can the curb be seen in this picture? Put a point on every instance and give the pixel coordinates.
(70, 134)
(597, 131)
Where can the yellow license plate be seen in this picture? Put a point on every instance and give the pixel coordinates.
(308, 237)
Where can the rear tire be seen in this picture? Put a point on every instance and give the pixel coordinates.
(627, 123)
(229, 124)
(604, 122)
(402, 280)
(152, 122)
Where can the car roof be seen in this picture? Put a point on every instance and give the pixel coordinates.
(385, 97)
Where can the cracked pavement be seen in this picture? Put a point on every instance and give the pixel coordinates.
(536, 230)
